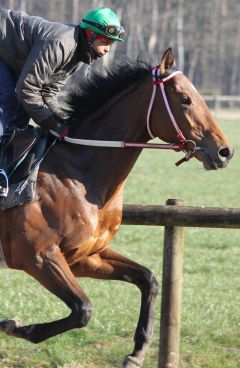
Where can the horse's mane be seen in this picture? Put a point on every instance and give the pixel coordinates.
(91, 92)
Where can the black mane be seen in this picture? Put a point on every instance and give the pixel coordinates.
(92, 92)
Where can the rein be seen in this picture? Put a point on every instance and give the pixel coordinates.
(183, 145)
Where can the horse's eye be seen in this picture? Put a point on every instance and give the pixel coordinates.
(186, 100)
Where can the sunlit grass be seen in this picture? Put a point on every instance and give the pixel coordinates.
(210, 334)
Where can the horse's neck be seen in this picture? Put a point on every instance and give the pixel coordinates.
(103, 170)
(122, 118)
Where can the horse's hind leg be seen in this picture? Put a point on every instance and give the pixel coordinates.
(112, 266)
(52, 271)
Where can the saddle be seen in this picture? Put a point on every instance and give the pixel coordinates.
(20, 155)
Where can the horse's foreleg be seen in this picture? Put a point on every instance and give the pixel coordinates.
(112, 266)
(52, 271)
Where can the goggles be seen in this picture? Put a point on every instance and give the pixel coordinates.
(110, 30)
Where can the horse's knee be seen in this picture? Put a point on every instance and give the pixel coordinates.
(81, 314)
(154, 285)
(150, 283)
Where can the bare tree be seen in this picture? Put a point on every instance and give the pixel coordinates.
(154, 25)
(180, 45)
(205, 35)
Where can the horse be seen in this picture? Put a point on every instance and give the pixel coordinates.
(65, 233)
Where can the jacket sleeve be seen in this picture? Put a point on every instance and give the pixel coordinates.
(44, 59)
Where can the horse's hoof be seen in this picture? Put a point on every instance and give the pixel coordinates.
(131, 362)
(9, 325)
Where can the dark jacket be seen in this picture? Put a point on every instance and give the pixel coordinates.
(42, 56)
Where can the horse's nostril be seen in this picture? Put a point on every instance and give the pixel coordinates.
(225, 153)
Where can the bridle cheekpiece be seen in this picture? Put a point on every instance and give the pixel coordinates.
(184, 144)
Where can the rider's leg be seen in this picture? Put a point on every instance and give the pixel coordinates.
(12, 116)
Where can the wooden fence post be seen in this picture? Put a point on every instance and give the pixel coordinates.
(171, 294)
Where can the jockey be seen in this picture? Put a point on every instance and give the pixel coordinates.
(37, 57)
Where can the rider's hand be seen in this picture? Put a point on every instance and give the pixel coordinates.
(60, 131)
(55, 126)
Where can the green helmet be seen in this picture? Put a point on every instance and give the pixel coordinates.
(103, 21)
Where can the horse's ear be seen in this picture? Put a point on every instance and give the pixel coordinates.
(167, 62)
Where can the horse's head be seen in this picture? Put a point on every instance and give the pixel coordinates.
(183, 110)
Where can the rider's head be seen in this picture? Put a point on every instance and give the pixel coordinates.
(102, 27)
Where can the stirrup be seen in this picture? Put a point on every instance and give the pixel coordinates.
(3, 188)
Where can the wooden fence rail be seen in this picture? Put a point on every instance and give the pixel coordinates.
(175, 216)
(213, 217)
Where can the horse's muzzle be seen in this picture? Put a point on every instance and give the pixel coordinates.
(220, 161)
(225, 154)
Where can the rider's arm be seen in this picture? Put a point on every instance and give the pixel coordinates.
(43, 61)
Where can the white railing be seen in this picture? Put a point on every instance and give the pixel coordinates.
(217, 102)
(223, 106)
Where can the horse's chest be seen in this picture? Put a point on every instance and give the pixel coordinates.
(87, 222)
(93, 233)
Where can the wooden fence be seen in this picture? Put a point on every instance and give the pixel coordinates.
(175, 216)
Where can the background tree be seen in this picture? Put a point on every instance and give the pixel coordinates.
(205, 35)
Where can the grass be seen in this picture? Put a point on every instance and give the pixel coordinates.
(210, 333)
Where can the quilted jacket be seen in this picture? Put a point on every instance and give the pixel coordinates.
(42, 56)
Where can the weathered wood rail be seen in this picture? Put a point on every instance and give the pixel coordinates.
(175, 217)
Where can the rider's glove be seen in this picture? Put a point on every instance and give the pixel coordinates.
(55, 126)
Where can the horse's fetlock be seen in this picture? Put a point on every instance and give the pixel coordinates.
(86, 314)
(142, 337)
(82, 314)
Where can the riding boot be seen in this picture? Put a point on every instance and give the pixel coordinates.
(4, 183)
(4, 143)
(3, 175)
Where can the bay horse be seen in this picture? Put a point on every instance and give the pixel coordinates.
(66, 231)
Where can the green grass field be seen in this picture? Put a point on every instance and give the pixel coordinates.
(210, 333)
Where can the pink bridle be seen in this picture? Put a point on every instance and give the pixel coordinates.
(158, 81)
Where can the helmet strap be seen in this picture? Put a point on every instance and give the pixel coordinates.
(90, 36)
